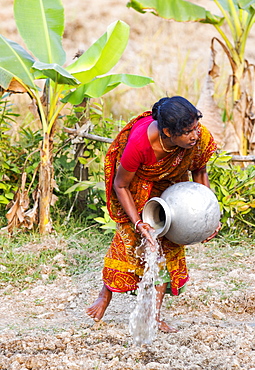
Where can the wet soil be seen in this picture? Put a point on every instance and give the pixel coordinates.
(45, 326)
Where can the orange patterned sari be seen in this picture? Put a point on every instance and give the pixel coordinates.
(122, 269)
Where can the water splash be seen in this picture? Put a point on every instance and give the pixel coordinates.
(142, 323)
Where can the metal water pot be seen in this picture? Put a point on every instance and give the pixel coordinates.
(186, 213)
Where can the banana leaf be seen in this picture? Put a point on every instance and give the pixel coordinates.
(15, 61)
(41, 25)
(103, 55)
(178, 10)
(5, 78)
(245, 4)
(54, 72)
(100, 86)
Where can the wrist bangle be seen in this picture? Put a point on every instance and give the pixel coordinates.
(136, 224)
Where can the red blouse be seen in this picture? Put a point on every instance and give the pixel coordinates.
(138, 149)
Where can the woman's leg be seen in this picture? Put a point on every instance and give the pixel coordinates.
(117, 252)
(97, 309)
(162, 325)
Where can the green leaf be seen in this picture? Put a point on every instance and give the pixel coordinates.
(103, 55)
(104, 209)
(4, 200)
(82, 160)
(178, 10)
(15, 61)
(100, 185)
(83, 185)
(41, 25)
(111, 225)
(225, 4)
(55, 72)
(5, 78)
(101, 220)
(224, 191)
(244, 4)
(100, 86)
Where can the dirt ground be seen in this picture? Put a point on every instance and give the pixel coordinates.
(45, 326)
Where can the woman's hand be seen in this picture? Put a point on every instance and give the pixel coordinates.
(146, 231)
(213, 234)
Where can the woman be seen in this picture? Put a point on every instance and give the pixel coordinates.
(152, 152)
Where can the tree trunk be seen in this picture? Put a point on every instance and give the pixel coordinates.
(45, 187)
(80, 171)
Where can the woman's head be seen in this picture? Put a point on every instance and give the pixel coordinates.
(175, 114)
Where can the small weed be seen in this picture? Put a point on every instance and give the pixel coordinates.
(39, 301)
(26, 258)
(237, 284)
(169, 303)
(52, 277)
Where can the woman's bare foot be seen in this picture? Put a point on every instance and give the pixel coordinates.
(97, 309)
(163, 326)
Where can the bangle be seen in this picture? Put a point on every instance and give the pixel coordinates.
(136, 224)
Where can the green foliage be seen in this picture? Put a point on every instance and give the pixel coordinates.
(92, 157)
(23, 155)
(88, 249)
(107, 223)
(15, 152)
(23, 266)
(179, 10)
(234, 187)
(27, 258)
(41, 25)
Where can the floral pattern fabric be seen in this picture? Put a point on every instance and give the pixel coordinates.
(122, 269)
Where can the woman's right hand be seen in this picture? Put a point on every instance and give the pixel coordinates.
(146, 231)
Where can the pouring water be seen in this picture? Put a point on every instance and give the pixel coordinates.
(143, 325)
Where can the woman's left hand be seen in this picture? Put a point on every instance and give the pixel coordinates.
(213, 234)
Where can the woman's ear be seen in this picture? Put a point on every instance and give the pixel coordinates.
(166, 132)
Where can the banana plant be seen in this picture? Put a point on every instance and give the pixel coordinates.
(239, 17)
(41, 25)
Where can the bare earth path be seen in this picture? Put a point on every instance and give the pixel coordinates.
(45, 325)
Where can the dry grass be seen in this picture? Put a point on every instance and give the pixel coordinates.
(176, 55)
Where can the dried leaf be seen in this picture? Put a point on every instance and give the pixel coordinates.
(16, 87)
(33, 108)
(206, 104)
(54, 199)
(18, 215)
(32, 214)
(232, 141)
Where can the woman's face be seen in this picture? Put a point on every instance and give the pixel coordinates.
(188, 138)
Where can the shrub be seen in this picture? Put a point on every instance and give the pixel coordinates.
(234, 187)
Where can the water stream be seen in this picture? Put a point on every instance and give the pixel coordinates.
(142, 322)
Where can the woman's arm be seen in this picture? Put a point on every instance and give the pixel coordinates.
(121, 184)
(201, 176)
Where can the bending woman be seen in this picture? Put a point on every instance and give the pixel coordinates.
(152, 152)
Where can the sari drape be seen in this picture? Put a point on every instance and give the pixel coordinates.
(122, 269)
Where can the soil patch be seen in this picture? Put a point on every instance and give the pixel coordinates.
(45, 326)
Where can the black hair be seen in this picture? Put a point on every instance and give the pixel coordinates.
(175, 113)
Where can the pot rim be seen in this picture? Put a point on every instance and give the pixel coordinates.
(150, 213)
